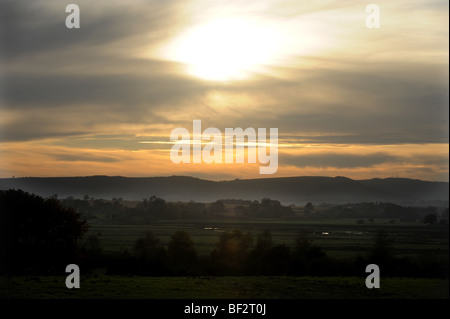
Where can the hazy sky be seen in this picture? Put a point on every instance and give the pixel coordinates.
(103, 99)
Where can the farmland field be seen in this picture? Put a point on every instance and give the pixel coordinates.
(112, 267)
(339, 238)
(228, 287)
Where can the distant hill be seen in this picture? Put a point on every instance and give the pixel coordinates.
(288, 190)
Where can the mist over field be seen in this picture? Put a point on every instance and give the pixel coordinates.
(288, 190)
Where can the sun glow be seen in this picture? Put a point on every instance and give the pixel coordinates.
(224, 49)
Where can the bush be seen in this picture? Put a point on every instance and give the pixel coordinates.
(38, 235)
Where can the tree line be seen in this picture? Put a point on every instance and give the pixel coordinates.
(426, 214)
(239, 253)
(117, 211)
(42, 236)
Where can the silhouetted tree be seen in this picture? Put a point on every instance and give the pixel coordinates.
(182, 253)
(38, 235)
(257, 261)
(231, 252)
(270, 208)
(194, 210)
(444, 214)
(382, 252)
(430, 219)
(241, 210)
(278, 260)
(150, 256)
(91, 252)
(216, 208)
(309, 208)
(306, 254)
(152, 207)
(254, 208)
(264, 241)
(93, 246)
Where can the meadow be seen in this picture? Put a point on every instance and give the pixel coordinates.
(339, 237)
(221, 287)
(341, 248)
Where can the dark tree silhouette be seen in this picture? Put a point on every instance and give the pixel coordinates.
(264, 241)
(309, 208)
(257, 261)
(430, 219)
(306, 255)
(217, 208)
(232, 251)
(382, 252)
(91, 251)
(37, 235)
(154, 206)
(151, 258)
(278, 260)
(182, 253)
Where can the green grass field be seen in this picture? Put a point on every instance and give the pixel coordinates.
(137, 287)
(339, 238)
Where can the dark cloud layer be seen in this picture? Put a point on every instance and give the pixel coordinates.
(338, 160)
(36, 27)
(396, 103)
(62, 84)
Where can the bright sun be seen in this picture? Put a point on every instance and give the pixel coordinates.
(225, 49)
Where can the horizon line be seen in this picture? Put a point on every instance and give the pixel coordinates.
(232, 179)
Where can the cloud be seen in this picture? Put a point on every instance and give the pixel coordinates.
(103, 87)
(123, 91)
(85, 158)
(38, 27)
(95, 70)
(337, 160)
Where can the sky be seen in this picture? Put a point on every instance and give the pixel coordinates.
(103, 99)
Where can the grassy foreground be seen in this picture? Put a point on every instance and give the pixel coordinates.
(137, 287)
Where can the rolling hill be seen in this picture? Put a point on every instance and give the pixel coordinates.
(288, 190)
